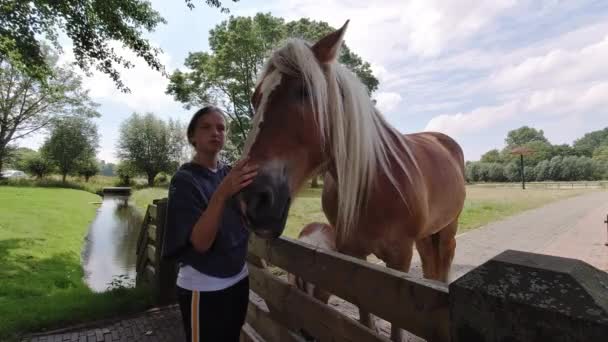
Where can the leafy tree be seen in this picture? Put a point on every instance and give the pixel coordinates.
(492, 156)
(555, 168)
(88, 168)
(227, 75)
(563, 150)
(27, 105)
(17, 157)
(107, 169)
(496, 172)
(513, 171)
(523, 135)
(38, 166)
(90, 24)
(601, 154)
(146, 142)
(542, 171)
(71, 142)
(587, 144)
(126, 171)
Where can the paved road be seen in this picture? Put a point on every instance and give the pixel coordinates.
(571, 228)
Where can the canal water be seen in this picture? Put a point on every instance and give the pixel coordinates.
(109, 252)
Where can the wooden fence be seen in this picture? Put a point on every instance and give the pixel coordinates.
(151, 269)
(471, 309)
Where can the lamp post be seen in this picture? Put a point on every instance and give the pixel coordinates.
(522, 151)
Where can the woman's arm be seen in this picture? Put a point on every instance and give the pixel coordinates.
(205, 229)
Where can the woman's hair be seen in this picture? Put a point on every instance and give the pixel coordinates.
(199, 114)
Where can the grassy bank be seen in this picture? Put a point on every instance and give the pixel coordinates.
(482, 206)
(41, 238)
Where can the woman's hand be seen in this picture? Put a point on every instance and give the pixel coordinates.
(241, 175)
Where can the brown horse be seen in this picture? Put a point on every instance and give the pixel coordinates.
(383, 191)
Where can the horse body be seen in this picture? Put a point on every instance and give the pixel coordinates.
(383, 190)
(386, 226)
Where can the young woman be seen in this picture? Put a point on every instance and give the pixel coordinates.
(206, 236)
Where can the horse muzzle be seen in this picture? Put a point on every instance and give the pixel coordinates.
(265, 205)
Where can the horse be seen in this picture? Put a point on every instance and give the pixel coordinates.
(319, 235)
(383, 191)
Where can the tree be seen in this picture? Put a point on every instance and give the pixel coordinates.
(146, 142)
(88, 168)
(16, 158)
(107, 169)
(91, 25)
(542, 171)
(71, 142)
(38, 166)
(601, 154)
(492, 156)
(523, 135)
(227, 75)
(125, 171)
(589, 142)
(27, 105)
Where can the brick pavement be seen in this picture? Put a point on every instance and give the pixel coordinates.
(156, 325)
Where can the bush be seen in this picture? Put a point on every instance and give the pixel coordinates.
(38, 166)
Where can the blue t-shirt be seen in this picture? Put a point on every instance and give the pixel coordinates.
(190, 190)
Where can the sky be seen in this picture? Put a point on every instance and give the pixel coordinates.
(468, 68)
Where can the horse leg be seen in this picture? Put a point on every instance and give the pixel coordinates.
(401, 261)
(437, 252)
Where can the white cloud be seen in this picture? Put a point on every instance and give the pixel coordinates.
(387, 102)
(147, 86)
(558, 66)
(383, 30)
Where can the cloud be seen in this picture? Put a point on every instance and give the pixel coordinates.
(387, 101)
(147, 86)
(558, 66)
(420, 28)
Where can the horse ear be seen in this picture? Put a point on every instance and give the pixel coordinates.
(327, 48)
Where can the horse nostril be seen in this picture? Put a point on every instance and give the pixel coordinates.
(261, 201)
(265, 198)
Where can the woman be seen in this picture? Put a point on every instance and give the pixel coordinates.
(206, 236)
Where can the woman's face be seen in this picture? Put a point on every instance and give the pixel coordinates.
(210, 133)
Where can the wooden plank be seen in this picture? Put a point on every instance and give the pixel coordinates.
(248, 334)
(152, 213)
(296, 310)
(152, 232)
(259, 319)
(151, 251)
(419, 306)
(142, 232)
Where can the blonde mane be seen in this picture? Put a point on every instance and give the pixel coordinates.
(352, 130)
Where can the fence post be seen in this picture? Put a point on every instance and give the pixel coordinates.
(519, 296)
(166, 271)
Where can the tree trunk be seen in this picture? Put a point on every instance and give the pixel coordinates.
(63, 176)
(2, 156)
(86, 179)
(151, 179)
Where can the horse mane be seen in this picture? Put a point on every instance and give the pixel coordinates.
(352, 130)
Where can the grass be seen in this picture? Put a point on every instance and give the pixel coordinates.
(42, 287)
(144, 197)
(483, 204)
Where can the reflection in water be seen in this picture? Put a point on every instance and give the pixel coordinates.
(110, 247)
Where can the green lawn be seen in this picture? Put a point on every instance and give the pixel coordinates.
(41, 238)
(483, 204)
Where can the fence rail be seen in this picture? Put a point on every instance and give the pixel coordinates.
(483, 305)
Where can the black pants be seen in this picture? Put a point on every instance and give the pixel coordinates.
(216, 316)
